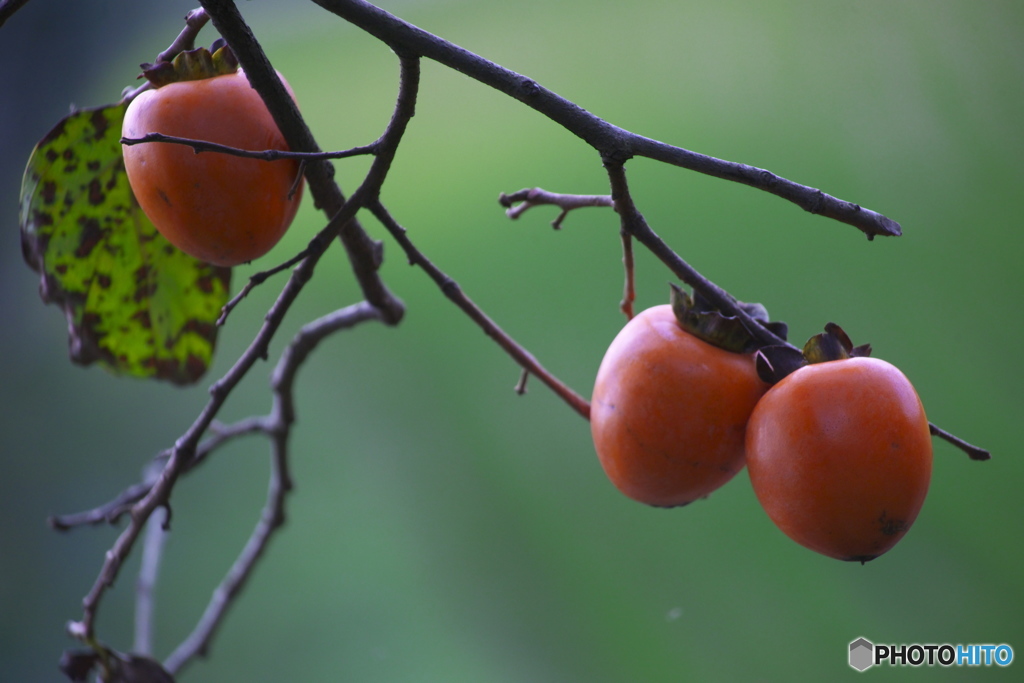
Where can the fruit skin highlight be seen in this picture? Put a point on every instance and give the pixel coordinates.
(669, 411)
(219, 208)
(840, 456)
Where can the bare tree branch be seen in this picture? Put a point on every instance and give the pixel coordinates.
(263, 154)
(277, 426)
(107, 513)
(636, 225)
(518, 203)
(363, 252)
(530, 197)
(185, 448)
(609, 140)
(453, 291)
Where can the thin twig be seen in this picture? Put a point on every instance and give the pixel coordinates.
(254, 281)
(453, 291)
(278, 426)
(520, 387)
(199, 146)
(107, 513)
(518, 203)
(629, 288)
(195, 20)
(112, 511)
(972, 451)
(224, 596)
(636, 225)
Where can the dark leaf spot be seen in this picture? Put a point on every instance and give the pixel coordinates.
(91, 235)
(54, 133)
(143, 318)
(49, 192)
(96, 194)
(41, 219)
(100, 124)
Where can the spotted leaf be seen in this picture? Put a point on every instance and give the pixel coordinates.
(134, 303)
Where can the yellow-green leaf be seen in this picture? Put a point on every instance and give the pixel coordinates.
(134, 303)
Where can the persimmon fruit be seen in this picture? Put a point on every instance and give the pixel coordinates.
(219, 208)
(669, 411)
(839, 454)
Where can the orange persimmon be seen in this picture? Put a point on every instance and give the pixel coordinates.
(840, 456)
(669, 411)
(219, 208)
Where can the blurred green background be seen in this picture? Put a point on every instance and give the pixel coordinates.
(444, 528)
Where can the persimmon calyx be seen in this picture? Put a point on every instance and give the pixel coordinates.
(776, 362)
(833, 344)
(699, 317)
(193, 65)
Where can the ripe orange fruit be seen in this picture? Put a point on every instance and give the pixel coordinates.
(669, 411)
(219, 208)
(840, 456)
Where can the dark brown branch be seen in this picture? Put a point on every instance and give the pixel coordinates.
(263, 154)
(341, 223)
(277, 426)
(256, 280)
(363, 252)
(272, 517)
(633, 223)
(609, 140)
(453, 291)
(112, 511)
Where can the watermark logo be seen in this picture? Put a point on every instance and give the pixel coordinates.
(864, 654)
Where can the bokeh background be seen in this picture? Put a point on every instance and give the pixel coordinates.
(444, 528)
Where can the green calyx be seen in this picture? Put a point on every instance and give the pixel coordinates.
(193, 65)
(699, 317)
(776, 362)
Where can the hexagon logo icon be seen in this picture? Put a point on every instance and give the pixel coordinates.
(862, 654)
